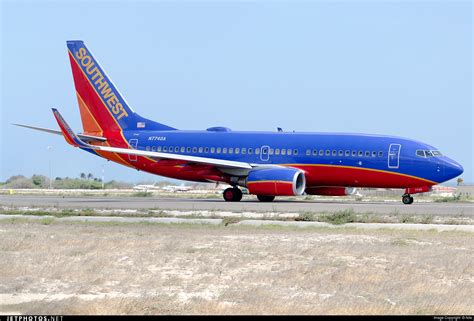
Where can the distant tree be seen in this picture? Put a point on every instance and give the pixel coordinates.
(38, 180)
(90, 176)
(83, 175)
(460, 181)
(14, 178)
(58, 178)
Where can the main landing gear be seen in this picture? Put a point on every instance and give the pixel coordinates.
(232, 194)
(407, 199)
(265, 198)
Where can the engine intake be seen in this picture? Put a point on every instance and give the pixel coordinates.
(276, 181)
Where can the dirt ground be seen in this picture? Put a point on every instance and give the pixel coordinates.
(108, 268)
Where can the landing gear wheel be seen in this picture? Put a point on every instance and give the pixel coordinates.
(407, 199)
(232, 194)
(265, 198)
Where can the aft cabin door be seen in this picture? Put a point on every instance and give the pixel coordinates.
(133, 143)
(394, 155)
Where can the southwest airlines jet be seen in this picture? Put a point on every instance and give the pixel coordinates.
(268, 164)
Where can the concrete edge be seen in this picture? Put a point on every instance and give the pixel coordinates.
(172, 220)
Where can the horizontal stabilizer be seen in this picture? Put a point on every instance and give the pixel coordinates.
(84, 137)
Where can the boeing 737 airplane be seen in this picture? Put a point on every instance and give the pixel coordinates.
(268, 164)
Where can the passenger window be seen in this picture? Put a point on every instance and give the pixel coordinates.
(374, 154)
(158, 149)
(341, 153)
(219, 150)
(321, 152)
(271, 151)
(315, 152)
(244, 151)
(277, 151)
(200, 150)
(348, 153)
(237, 150)
(147, 148)
(328, 152)
(295, 152)
(334, 153)
(188, 149)
(231, 150)
(176, 149)
(367, 153)
(165, 149)
(250, 151)
(380, 154)
(308, 152)
(153, 148)
(288, 151)
(195, 149)
(182, 149)
(361, 153)
(354, 153)
(257, 151)
(224, 150)
(206, 150)
(213, 150)
(283, 151)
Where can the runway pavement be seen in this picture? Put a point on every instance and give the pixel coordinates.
(247, 204)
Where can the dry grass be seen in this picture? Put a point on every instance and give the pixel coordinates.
(63, 268)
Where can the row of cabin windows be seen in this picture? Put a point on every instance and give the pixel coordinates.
(346, 153)
(271, 151)
(212, 150)
(220, 150)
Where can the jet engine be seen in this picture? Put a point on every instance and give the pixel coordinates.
(276, 182)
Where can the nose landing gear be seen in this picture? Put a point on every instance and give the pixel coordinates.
(407, 199)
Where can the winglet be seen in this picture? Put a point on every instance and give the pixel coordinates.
(68, 134)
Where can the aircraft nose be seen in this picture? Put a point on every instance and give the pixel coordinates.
(452, 168)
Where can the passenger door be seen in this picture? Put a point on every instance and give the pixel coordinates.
(394, 155)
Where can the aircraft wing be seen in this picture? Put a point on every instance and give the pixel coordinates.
(76, 141)
(58, 132)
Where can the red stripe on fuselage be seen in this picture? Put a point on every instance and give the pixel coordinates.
(333, 175)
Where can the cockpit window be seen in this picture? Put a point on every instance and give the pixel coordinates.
(428, 153)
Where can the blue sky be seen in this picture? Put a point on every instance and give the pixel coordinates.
(397, 68)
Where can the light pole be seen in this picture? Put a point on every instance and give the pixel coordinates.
(50, 148)
(103, 170)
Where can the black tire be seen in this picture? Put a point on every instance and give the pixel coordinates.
(407, 199)
(232, 194)
(237, 194)
(265, 198)
(229, 194)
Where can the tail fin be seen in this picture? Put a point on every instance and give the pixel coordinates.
(102, 107)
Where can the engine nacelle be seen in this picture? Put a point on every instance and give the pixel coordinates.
(330, 191)
(276, 182)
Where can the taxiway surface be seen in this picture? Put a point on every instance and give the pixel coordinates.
(247, 204)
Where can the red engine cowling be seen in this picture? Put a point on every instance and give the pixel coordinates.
(276, 182)
(330, 191)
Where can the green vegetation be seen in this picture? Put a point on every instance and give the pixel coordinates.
(83, 182)
(340, 217)
(142, 194)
